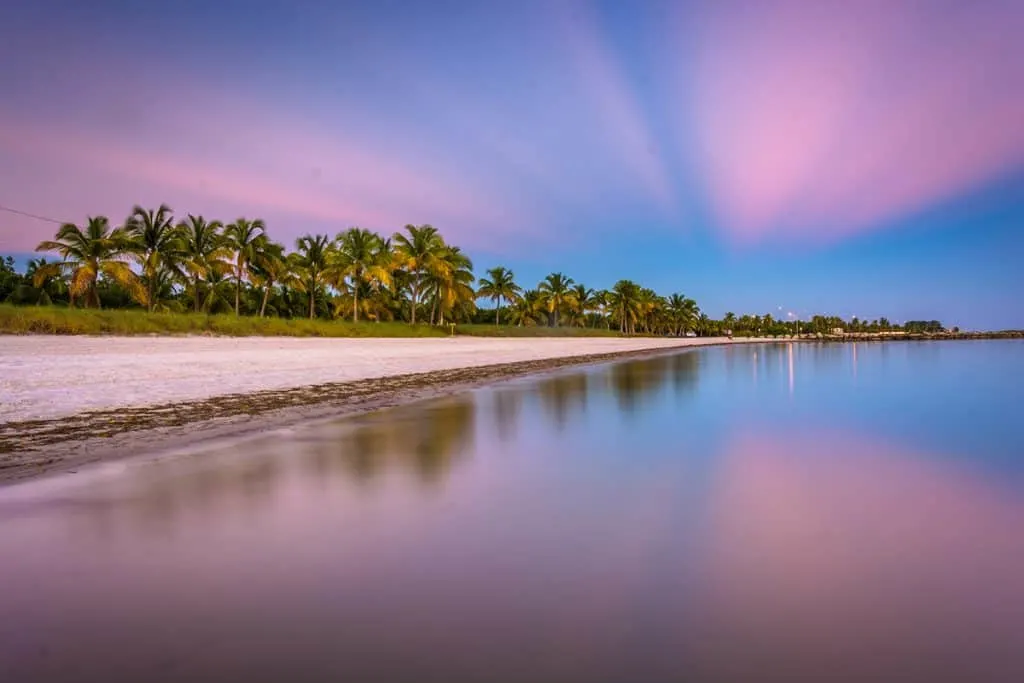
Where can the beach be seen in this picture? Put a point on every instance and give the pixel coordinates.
(67, 401)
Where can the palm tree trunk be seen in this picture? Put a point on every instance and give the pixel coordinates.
(238, 289)
(266, 296)
(312, 298)
(195, 291)
(414, 294)
(355, 300)
(497, 313)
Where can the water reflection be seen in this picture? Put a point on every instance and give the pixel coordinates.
(829, 552)
(637, 384)
(525, 532)
(563, 395)
(426, 440)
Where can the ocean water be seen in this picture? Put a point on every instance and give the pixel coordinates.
(778, 512)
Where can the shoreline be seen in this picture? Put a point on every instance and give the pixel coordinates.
(32, 449)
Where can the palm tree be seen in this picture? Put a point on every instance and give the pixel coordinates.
(270, 267)
(498, 286)
(583, 302)
(48, 284)
(624, 300)
(87, 254)
(156, 245)
(205, 250)
(362, 257)
(682, 312)
(556, 291)
(313, 257)
(244, 237)
(525, 310)
(602, 307)
(418, 251)
(452, 284)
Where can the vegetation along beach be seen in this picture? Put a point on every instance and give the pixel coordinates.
(237, 297)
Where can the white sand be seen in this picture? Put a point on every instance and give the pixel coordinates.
(49, 376)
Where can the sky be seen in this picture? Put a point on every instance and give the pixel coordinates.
(844, 157)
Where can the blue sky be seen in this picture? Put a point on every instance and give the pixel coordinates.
(857, 158)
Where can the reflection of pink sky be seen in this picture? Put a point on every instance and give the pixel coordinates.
(831, 549)
(823, 551)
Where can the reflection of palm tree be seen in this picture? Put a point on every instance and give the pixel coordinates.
(426, 439)
(507, 403)
(684, 368)
(444, 434)
(633, 382)
(562, 394)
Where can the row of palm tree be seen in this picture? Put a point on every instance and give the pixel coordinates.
(414, 275)
(193, 258)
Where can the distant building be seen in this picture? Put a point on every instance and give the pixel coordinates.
(838, 331)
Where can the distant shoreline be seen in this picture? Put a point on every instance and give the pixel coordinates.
(884, 337)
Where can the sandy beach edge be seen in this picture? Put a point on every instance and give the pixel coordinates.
(33, 449)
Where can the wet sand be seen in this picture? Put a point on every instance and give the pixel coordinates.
(66, 402)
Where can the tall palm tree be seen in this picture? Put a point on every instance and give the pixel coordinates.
(244, 237)
(418, 251)
(682, 312)
(452, 285)
(602, 307)
(526, 309)
(313, 256)
(87, 254)
(156, 243)
(205, 250)
(584, 301)
(270, 267)
(556, 289)
(362, 257)
(624, 300)
(498, 286)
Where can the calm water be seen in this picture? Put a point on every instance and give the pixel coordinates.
(727, 514)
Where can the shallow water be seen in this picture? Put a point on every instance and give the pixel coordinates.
(777, 512)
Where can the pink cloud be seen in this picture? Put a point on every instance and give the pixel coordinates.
(240, 162)
(815, 121)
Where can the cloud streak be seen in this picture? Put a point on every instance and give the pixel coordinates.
(800, 123)
(819, 121)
